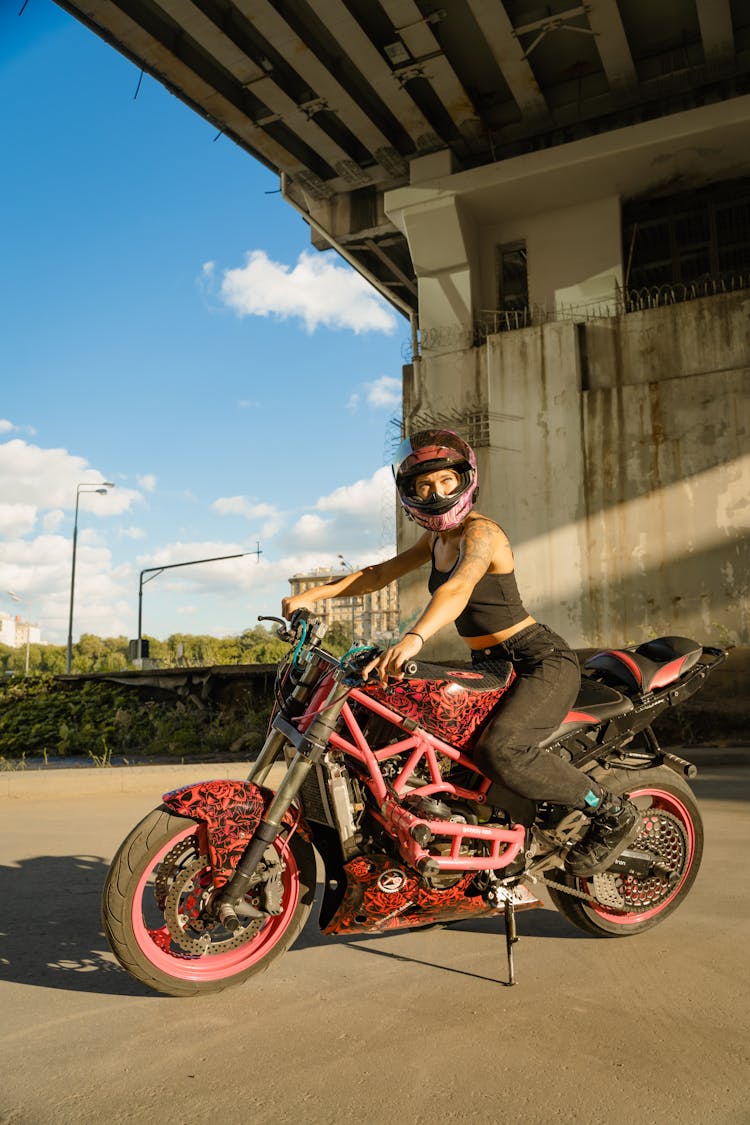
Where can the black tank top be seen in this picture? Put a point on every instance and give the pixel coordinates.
(495, 603)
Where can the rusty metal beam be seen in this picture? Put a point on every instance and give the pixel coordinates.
(429, 61)
(715, 20)
(276, 30)
(509, 56)
(612, 45)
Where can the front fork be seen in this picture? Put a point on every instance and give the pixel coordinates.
(310, 748)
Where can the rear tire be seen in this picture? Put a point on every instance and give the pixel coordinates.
(672, 828)
(153, 917)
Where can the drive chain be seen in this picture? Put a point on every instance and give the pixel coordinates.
(565, 889)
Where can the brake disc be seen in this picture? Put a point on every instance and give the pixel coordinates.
(168, 868)
(182, 914)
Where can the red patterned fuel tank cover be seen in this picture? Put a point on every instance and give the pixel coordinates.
(446, 709)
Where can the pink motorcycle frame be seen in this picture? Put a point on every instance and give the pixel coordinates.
(410, 831)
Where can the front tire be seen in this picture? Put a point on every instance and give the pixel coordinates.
(155, 921)
(673, 829)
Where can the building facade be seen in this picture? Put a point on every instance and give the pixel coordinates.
(15, 632)
(368, 617)
(585, 323)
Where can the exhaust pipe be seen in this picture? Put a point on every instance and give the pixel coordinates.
(679, 765)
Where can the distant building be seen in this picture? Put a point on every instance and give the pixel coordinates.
(14, 632)
(7, 630)
(369, 616)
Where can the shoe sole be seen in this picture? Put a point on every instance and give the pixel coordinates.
(605, 864)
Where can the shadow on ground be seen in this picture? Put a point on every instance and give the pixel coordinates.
(51, 934)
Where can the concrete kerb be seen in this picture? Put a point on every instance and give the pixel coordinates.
(49, 784)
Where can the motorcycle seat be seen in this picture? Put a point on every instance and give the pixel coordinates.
(471, 679)
(594, 703)
(650, 665)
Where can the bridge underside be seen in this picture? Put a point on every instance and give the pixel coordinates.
(341, 96)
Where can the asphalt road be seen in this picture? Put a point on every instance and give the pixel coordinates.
(411, 1028)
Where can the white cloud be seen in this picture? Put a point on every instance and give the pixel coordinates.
(17, 519)
(7, 427)
(48, 478)
(39, 569)
(317, 290)
(271, 519)
(359, 499)
(355, 520)
(385, 391)
(133, 533)
(147, 482)
(52, 520)
(311, 529)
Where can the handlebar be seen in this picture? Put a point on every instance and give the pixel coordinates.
(293, 631)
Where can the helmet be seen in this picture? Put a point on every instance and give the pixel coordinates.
(427, 452)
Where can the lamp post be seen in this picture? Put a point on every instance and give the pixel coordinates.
(102, 489)
(155, 571)
(19, 598)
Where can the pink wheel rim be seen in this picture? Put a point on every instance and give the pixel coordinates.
(154, 943)
(660, 799)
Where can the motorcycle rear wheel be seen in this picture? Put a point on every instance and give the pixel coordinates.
(672, 828)
(152, 912)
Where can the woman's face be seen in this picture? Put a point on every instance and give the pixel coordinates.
(442, 483)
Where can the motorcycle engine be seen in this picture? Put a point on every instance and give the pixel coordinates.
(458, 812)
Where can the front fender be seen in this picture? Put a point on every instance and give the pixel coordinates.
(230, 812)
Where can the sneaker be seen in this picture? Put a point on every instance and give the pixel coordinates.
(615, 823)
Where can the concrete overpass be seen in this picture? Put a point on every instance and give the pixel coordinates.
(342, 98)
(558, 197)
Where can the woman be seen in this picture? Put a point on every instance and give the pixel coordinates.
(472, 584)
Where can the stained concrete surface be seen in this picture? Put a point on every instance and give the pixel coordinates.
(402, 1028)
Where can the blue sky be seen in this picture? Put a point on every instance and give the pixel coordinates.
(167, 326)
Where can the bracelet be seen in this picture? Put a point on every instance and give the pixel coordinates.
(412, 633)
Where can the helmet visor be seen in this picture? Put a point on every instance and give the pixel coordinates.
(429, 450)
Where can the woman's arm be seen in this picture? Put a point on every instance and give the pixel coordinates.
(363, 581)
(479, 544)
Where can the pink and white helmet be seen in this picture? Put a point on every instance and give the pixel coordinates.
(427, 452)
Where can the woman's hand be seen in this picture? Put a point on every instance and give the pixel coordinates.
(391, 662)
(292, 603)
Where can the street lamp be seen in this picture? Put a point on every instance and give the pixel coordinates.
(18, 598)
(155, 571)
(102, 488)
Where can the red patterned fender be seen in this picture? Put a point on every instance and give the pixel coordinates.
(230, 812)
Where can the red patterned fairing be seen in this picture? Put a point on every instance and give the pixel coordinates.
(446, 709)
(231, 812)
(381, 896)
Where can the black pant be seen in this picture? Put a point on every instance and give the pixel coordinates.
(545, 688)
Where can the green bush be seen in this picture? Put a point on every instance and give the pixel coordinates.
(42, 717)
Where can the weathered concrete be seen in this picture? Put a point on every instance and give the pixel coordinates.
(620, 472)
(404, 1028)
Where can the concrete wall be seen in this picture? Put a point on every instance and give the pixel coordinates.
(574, 254)
(618, 464)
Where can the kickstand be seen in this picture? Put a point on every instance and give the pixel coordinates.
(511, 937)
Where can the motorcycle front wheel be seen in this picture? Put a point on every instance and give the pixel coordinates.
(672, 830)
(156, 917)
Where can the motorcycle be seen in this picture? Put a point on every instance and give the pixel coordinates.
(215, 884)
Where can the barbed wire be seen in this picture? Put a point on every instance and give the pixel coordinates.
(491, 322)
